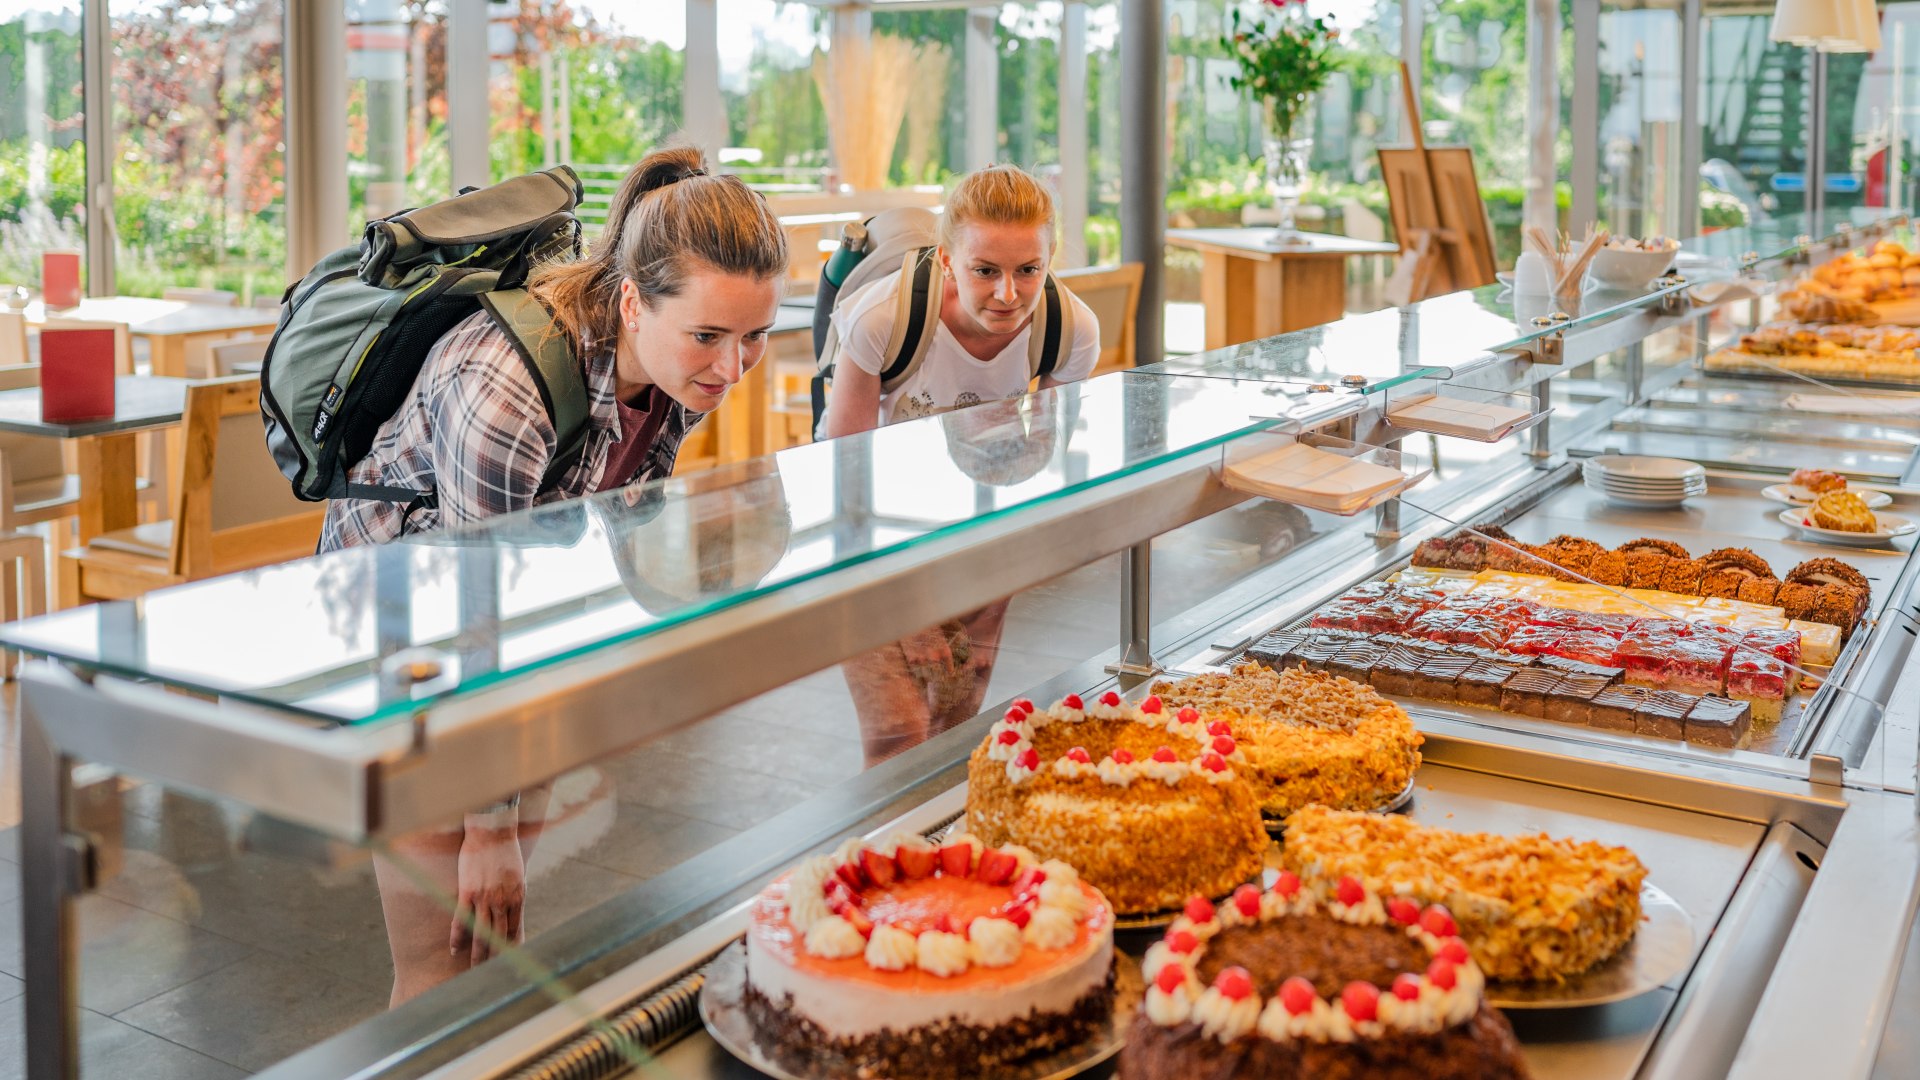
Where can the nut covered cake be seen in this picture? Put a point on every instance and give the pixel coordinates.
(1292, 983)
(1532, 908)
(1312, 738)
(907, 959)
(1149, 802)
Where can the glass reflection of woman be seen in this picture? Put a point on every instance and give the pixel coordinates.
(997, 239)
(668, 311)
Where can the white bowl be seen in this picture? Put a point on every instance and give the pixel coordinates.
(1616, 268)
(1639, 467)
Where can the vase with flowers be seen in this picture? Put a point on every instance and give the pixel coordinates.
(1284, 57)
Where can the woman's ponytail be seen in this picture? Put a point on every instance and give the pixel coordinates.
(668, 216)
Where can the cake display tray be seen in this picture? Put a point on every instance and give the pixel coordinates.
(723, 1012)
(1661, 950)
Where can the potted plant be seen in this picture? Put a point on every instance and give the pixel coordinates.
(1285, 57)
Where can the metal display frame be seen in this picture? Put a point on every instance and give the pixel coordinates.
(360, 784)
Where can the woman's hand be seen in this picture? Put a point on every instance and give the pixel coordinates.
(492, 892)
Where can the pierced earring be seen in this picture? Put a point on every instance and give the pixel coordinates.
(633, 326)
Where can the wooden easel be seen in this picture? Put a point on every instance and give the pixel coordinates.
(1433, 195)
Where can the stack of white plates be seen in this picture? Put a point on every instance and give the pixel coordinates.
(1644, 481)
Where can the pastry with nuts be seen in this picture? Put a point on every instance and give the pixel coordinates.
(1531, 908)
(1311, 738)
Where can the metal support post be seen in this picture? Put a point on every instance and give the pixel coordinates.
(1541, 447)
(1136, 617)
(1692, 131)
(47, 892)
(1817, 145)
(468, 62)
(1143, 189)
(1585, 123)
(96, 86)
(1636, 371)
(705, 114)
(1386, 516)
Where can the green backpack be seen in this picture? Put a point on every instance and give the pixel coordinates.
(355, 331)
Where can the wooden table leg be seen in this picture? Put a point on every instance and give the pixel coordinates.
(1215, 298)
(108, 477)
(1312, 291)
(167, 355)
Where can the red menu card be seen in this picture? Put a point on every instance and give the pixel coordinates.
(76, 374)
(60, 277)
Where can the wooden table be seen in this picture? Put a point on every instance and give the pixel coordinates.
(1254, 289)
(171, 327)
(109, 477)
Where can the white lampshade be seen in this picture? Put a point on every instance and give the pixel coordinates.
(1808, 22)
(1859, 28)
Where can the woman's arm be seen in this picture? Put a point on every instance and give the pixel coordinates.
(853, 405)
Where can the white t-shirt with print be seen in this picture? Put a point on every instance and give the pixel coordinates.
(950, 377)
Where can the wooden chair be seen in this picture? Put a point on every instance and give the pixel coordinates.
(213, 297)
(36, 483)
(232, 508)
(13, 339)
(122, 339)
(226, 358)
(1113, 292)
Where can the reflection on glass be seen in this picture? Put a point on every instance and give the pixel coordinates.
(310, 635)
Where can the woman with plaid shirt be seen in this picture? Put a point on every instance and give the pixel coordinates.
(667, 312)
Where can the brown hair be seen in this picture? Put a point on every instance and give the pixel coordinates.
(668, 217)
(997, 195)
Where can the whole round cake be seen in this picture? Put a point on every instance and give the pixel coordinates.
(907, 959)
(1311, 738)
(1147, 801)
(1286, 983)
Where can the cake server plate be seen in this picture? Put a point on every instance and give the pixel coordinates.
(1399, 802)
(1660, 950)
(723, 1010)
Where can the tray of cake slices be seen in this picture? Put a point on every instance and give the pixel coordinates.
(1485, 623)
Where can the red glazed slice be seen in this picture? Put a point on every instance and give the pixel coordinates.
(1533, 640)
(1750, 676)
(1588, 647)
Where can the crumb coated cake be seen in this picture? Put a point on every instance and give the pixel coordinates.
(1150, 803)
(1292, 983)
(904, 959)
(1311, 738)
(1532, 908)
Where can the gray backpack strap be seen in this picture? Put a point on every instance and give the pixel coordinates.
(1052, 330)
(915, 313)
(556, 372)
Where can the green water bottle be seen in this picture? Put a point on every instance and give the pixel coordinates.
(853, 248)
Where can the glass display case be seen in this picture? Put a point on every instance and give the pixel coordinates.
(667, 694)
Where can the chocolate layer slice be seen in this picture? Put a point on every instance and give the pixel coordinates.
(1274, 649)
(1664, 714)
(1718, 721)
(1613, 709)
(1579, 667)
(1481, 684)
(1356, 660)
(1394, 674)
(1526, 693)
(1314, 653)
(1438, 677)
(1572, 700)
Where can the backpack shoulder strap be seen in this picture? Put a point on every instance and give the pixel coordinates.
(917, 309)
(1052, 330)
(556, 372)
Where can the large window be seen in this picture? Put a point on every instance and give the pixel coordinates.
(1640, 130)
(588, 84)
(773, 59)
(43, 168)
(199, 156)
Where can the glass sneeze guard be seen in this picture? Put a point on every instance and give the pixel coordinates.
(535, 588)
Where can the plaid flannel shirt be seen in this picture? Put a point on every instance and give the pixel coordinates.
(475, 432)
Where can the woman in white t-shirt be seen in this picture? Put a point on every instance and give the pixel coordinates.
(996, 247)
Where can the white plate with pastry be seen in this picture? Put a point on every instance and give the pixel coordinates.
(1795, 495)
(1889, 526)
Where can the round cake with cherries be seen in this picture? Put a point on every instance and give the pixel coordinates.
(910, 959)
(1149, 802)
(1294, 982)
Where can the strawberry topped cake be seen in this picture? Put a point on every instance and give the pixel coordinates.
(907, 959)
(1152, 803)
(1326, 982)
